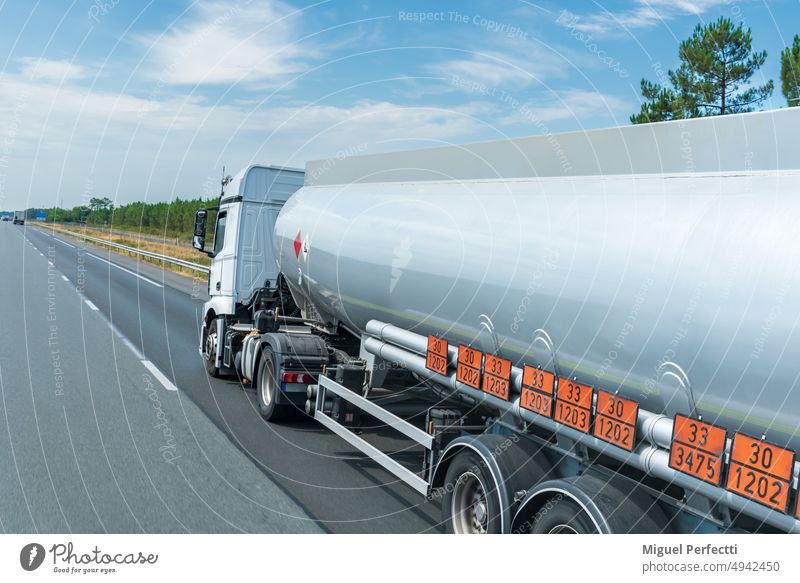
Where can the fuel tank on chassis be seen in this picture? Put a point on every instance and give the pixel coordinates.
(677, 290)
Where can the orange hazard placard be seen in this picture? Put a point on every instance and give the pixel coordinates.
(495, 386)
(616, 420)
(760, 471)
(436, 356)
(574, 404)
(538, 379)
(576, 417)
(614, 406)
(468, 370)
(536, 402)
(496, 375)
(697, 449)
(537, 390)
(499, 367)
(574, 393)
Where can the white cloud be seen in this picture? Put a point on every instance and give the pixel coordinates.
(491, 70)
(570, 104)
(46, 69)
(124, 144)
(644, 14)
(226, 43)
(507, 65)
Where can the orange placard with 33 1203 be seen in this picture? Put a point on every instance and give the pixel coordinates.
(496, 375)
(537, 390)
(574, 404)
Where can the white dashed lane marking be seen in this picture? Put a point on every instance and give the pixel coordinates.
(159, 375)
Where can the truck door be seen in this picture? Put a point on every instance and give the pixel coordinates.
(222, 256)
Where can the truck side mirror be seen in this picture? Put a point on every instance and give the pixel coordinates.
(199, 238)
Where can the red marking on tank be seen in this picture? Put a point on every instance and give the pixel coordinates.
(298, 244)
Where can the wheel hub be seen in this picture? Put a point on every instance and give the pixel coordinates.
(470, 511)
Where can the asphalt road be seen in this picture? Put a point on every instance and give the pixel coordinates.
(84, 448)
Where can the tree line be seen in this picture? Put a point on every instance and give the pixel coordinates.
(717, 64)
(175, 218)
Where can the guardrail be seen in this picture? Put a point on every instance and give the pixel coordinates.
(150, 254)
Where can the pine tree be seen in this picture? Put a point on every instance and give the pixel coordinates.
(790, 73)
(717, 64)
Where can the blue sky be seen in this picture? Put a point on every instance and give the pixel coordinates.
(147, 101)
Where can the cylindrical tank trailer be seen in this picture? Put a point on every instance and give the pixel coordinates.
(678, 291)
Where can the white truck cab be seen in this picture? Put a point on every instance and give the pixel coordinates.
(244, 275)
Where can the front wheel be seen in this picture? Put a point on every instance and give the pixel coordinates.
(470, 504)
(268, 389)
(211, 349)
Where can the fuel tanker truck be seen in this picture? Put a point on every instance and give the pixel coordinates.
(589, 332)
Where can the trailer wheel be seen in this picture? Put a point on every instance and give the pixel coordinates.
(268, 389)
(211, 349)
(470, 504)
(563, 516)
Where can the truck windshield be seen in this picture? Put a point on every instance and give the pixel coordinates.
(219, 232)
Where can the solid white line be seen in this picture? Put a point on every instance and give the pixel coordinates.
(143, 278)
(91, 305)
(160, 376)
(50, 263)
(65, 278)
(131, 347)
(64, 242)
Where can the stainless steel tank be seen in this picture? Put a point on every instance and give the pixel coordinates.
(680, 290)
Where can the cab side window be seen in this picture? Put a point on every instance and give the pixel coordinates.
(219, 233)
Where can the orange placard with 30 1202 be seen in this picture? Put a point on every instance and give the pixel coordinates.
(468, 370)
(436, 355)
(615, 420)
(760, 471)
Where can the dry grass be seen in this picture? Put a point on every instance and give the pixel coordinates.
(131, 240)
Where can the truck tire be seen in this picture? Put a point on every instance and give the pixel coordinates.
(268, 389)
(211, 349)
(470, 504)
(563, 516)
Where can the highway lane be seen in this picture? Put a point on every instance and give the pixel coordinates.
(158, 312)
(91, 441)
